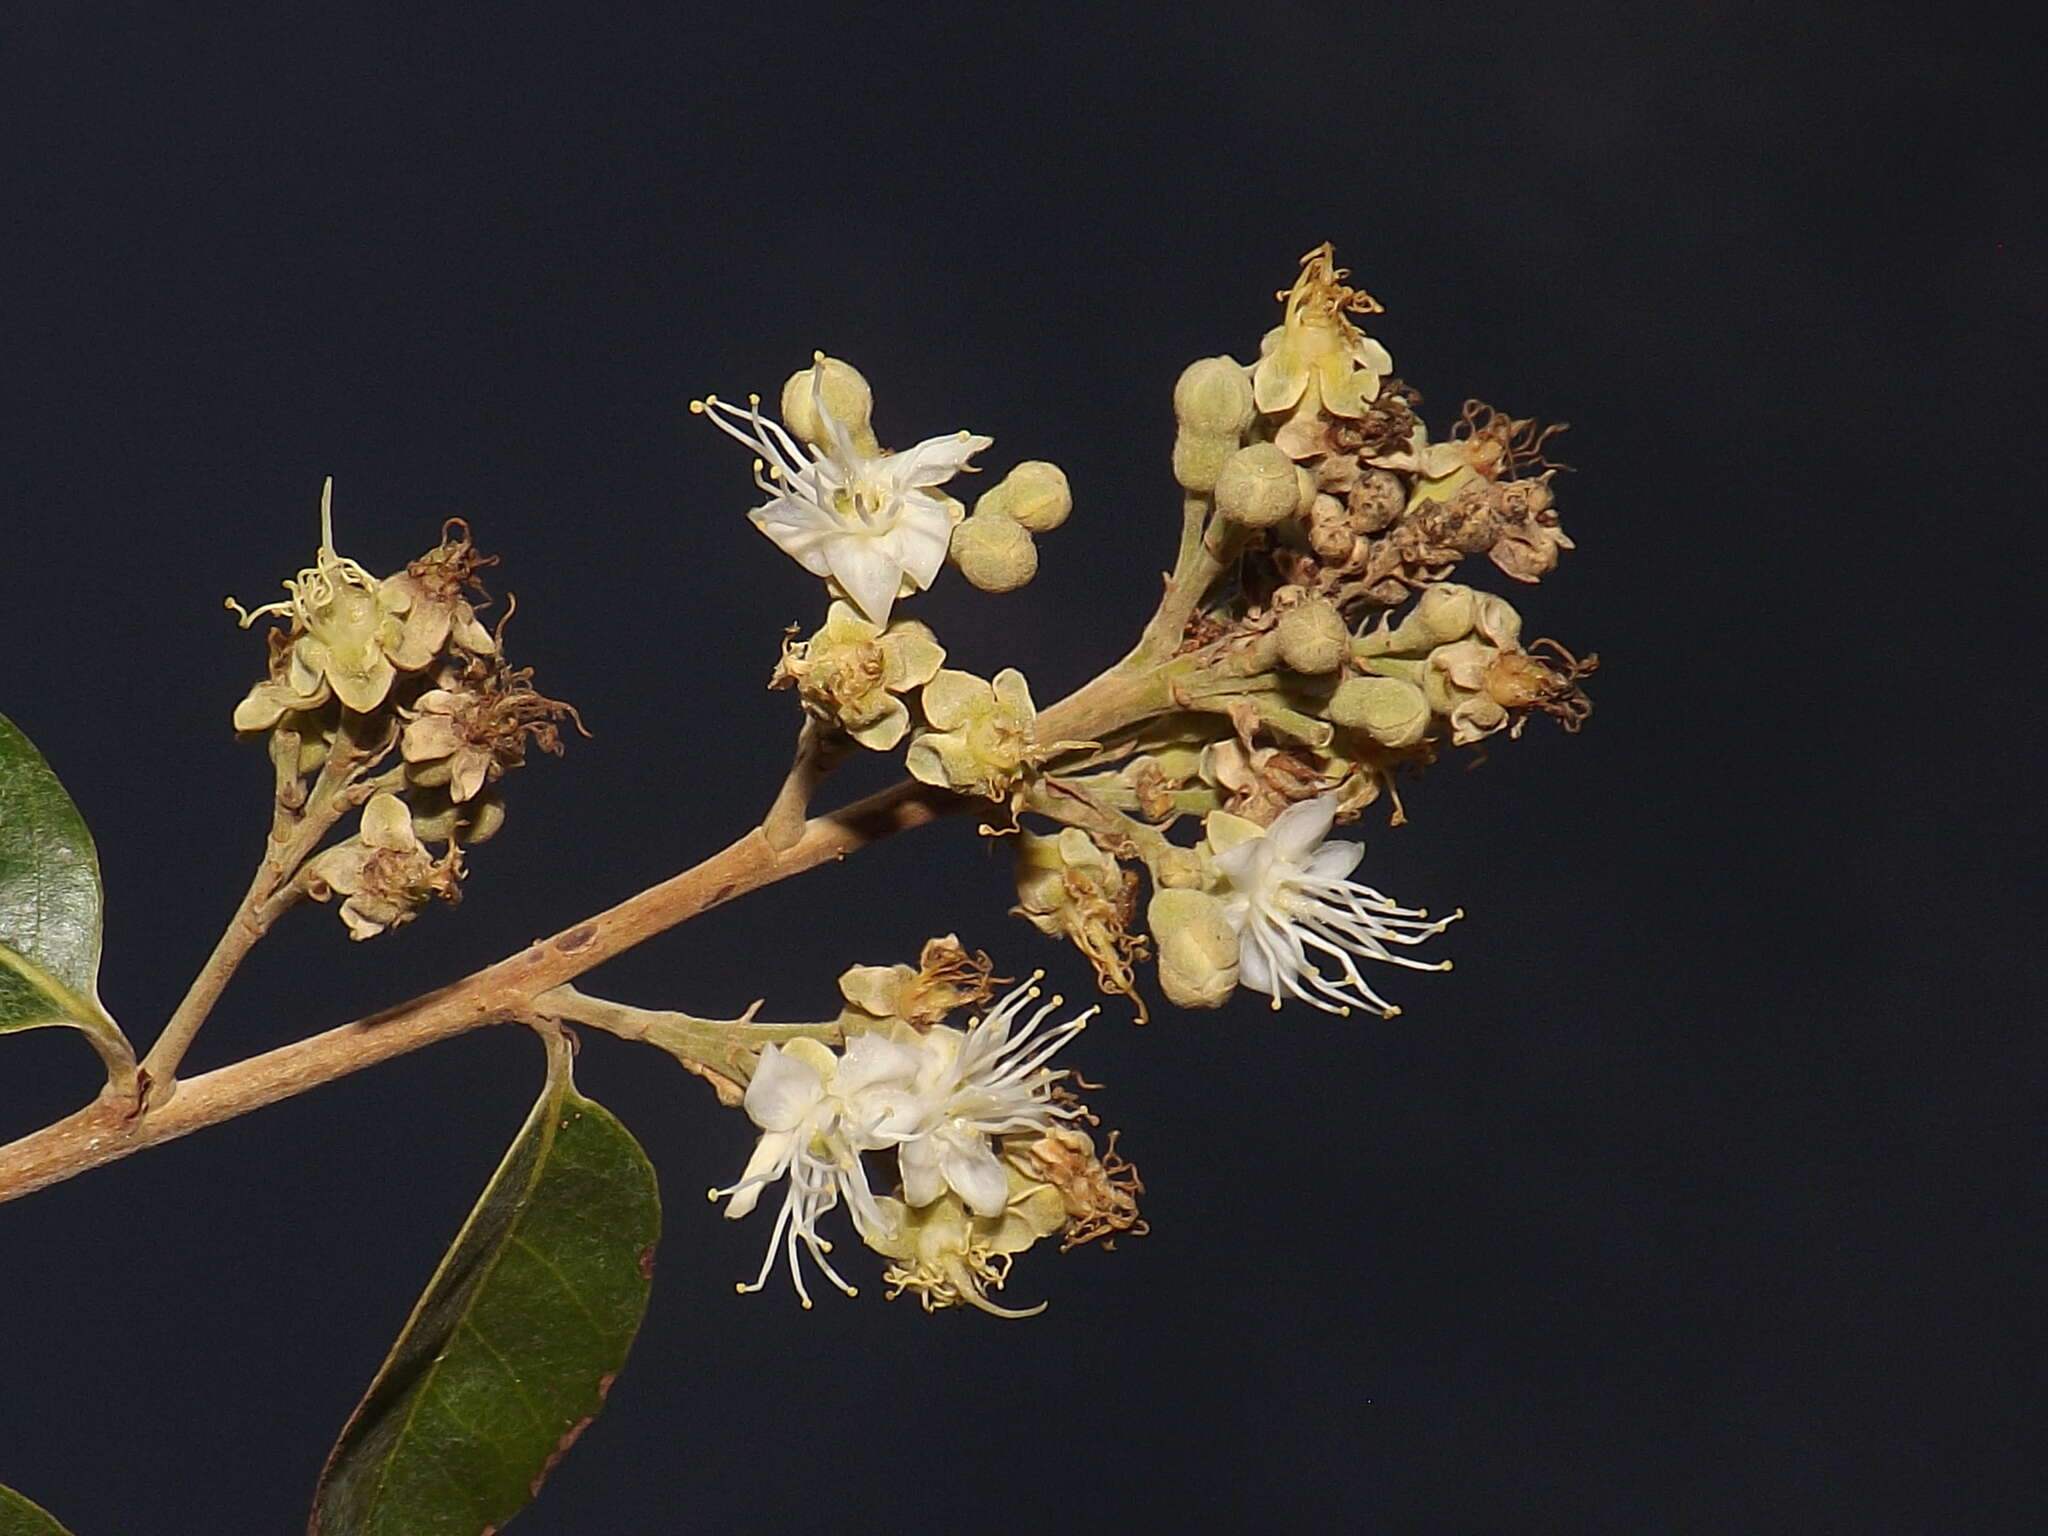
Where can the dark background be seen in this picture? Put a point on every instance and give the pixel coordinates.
(1697, 1198)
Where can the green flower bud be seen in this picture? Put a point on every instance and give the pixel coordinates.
(1313, 639)
(846, 395)
(1392, 712)
(1213, 398)
(1034, 494)
(1445, 612)
(994, 552)
(1198, 457)
(1197, 948)
(1258, 486)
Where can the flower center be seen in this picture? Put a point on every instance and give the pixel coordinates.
(866, 505)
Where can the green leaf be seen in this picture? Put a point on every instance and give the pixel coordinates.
(50, 903)
(509, 1354)
(18, 1517)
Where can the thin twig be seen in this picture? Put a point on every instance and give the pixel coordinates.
(269, 895)
(818, 752)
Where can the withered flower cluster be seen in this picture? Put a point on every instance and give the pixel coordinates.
(365, 667)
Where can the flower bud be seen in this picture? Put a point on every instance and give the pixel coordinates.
(994, 552)
(845, 394)
(473, 821)
(1197, 948)
(1392, 712)
(1313, 639)
(1198, 457)
(1445, 612)
(1034, 494)
(1258, 486)
(1213, 398)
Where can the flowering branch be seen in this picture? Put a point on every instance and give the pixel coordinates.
(104, 1132)
(1173, 818)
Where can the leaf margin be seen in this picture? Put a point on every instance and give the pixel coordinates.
(21, 1515)
(85, 1012)
(558, 1106)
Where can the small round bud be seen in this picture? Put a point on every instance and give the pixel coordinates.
(486, 816)
(1213, 398)
(1392, 712)
(1034, 494)
(846, 395)
(1446, 612)
(1313, 639)
(1258, 486)
(1377, 499)
(1197, 458)
(1197, 948)
(994, 552)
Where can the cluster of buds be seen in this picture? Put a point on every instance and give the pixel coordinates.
(1326, 652)
(1301, 691)
(982, 1139)
(363, 666)
(1311, 645)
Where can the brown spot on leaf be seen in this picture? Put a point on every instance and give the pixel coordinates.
(646, 1273)
(569, 1437)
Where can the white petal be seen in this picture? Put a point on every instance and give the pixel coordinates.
(872, 1059)
(783, 1091)
(769, 1160)
(1297, 830)
(974, 1173)
(861, 565)
(1333, 861)
(801, 532)
(935, 460)
(1247, 866)
(886, 1117)
(1255, 971)
(920, 539)
(919, 1163)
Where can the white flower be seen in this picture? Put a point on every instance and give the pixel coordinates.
(1286, 892)
(982, 1083)
(818, 1113)
(871, 524)
(935, 1098)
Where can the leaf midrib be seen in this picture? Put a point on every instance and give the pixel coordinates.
(432, 1373)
